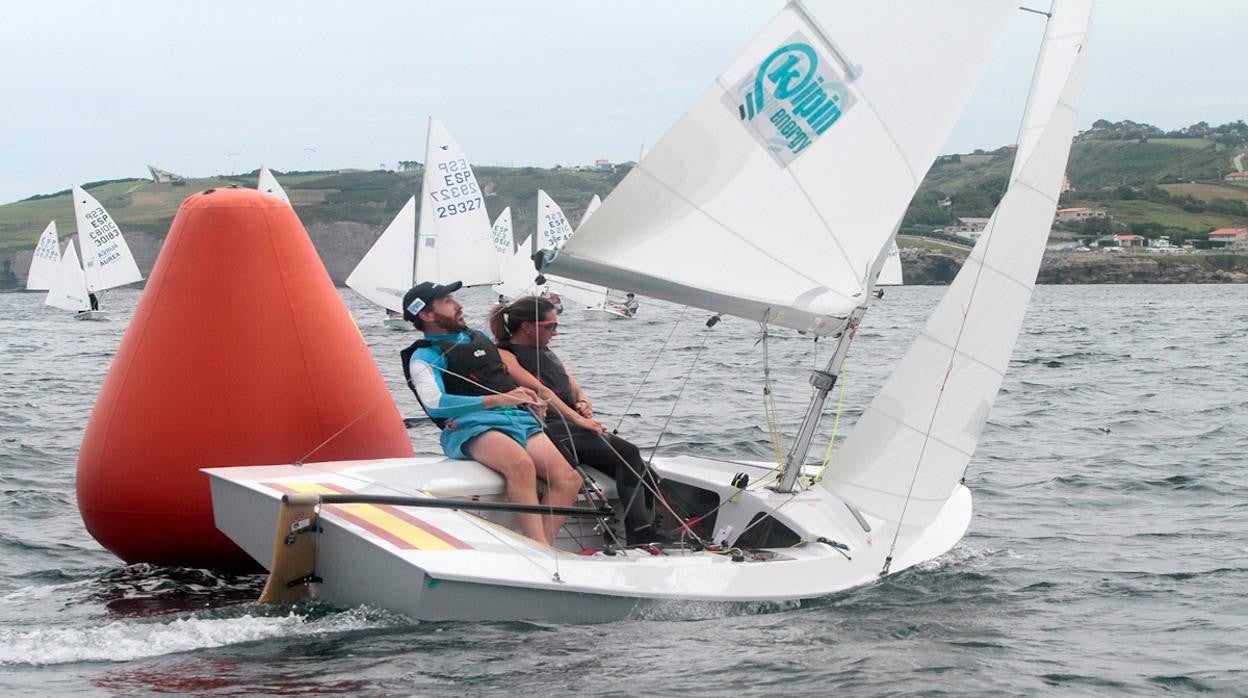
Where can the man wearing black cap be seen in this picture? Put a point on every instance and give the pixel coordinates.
(461, 383)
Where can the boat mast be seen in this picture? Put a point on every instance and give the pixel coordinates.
(823, 381)
(424, 201)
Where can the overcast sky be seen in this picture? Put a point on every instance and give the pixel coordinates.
(97, 90)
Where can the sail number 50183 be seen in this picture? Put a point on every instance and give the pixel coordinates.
(461, 207)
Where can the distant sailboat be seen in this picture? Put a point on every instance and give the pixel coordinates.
(45, 261)
(269, 185)
(890, 272)
(68, 288)
(455, 241)
(106, 258)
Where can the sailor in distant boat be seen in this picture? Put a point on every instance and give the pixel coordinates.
(523, 330)
(628, 306)
(460, 381)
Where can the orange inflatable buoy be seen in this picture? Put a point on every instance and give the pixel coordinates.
(241, 352)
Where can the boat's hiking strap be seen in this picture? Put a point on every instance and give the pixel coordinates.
(294, 550)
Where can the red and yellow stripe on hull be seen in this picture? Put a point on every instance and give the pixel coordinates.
(386, 521)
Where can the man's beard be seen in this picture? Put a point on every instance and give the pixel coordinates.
(450, 323)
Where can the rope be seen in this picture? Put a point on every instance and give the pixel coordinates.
(770, 411)
(646, 375)
(697, 355)
(827, 456)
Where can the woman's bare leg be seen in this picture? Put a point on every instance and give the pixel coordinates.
(500, 453)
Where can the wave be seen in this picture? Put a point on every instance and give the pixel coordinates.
(126, 640)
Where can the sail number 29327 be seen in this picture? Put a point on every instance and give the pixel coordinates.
(458, 192)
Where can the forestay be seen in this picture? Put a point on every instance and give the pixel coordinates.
(106, 259)
(790, 170)
(912, 445)
(45, 260)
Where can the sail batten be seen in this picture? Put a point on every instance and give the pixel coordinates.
(945, 384)
(789, 173)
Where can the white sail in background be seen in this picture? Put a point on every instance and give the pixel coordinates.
(553, 228)
(518, 273)
(890, 272)
(45, 261)
(68, 290)
(593, 205)
(793, 169)
(268, 184)
(910, 448)
(504, 242)
(385, 272)
(106, 258)
(456, 239)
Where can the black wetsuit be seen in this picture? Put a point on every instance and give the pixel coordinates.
(583, 446)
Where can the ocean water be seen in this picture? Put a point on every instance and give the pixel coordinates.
(1108, 553)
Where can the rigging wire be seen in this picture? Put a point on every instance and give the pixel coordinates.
(646, 376)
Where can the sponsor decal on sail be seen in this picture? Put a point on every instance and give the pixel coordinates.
(791, 99)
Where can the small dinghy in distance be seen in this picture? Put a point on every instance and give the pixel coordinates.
(892, 496)
(106, 261)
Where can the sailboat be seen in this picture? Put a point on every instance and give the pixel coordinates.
(106, 260)
(454, 243)
(269, 185)
(45, 260)
(607, 304)
(830, 118)
(518, 275)
(890, 271)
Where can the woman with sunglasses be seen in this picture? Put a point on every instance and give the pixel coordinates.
(523, 330)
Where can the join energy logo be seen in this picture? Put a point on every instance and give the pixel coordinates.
(791, 99)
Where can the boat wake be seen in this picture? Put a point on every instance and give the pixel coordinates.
(130, 639)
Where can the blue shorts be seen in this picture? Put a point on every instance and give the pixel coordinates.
(516, 423)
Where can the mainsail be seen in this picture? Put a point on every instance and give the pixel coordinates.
(912, 445)
(107, 261)
(456, 239)
(45, 260)
(795, 166)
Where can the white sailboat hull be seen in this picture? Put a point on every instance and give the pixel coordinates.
(91, 315)
(398, 324)
(437, 564)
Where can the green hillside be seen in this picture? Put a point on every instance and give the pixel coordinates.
(1150, 183)
(370, 198)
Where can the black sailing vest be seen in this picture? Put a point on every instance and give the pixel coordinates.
(552, 374)
(467, 365)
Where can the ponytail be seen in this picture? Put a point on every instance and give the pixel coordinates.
(505, 320)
